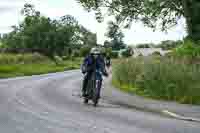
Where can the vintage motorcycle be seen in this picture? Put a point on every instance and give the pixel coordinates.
(93, 88)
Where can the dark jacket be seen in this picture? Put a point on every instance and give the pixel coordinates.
(90, 65)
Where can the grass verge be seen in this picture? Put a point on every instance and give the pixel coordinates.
(27, 65)
(159, 78)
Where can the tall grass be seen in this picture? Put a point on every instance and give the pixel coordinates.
(12, 65)
(160, 78)
(22, 58)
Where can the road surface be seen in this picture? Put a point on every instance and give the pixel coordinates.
(51, 104)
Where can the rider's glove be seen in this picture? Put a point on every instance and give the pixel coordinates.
(83, 69)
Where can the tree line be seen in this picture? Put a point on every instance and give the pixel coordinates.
(37, 33)
(164, 45)
(63, 37)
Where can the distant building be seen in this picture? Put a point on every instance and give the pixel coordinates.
(148, 51)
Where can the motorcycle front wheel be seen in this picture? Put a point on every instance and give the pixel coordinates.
(96, 93)
(86, 100)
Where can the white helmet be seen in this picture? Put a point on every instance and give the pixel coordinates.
(95, 51)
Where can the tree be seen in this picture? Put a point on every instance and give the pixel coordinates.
(116, 36)
(156, 53)
(48, 37)
(128, 52)
(169, 44)
(87, 37)
(153, 13)
(108, 52)
(85, 50)
(107, 44)
(146, 45)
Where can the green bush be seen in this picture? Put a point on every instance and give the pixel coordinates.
(76, 53)
(188, 49)
(108, 51)
(12, 65)
(84, 51)
(22, 58)
(126, 53)
(66, 58)
(58, 60)
(114, 54)
(141, 55)
(156, 53)
(170, 54)
(160, 78)
(126, 71)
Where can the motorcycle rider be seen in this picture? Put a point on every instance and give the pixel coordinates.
(93, 62)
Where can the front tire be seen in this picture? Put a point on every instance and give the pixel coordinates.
(96, 102)
(86, 101)
(96, 95)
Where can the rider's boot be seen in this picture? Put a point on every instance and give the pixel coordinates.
(84, 88)
(99, 89)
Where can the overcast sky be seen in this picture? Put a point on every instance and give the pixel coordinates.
(10, 15)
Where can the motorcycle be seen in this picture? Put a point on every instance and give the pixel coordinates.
(93, 89)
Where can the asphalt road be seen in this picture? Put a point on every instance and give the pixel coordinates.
(51, 104)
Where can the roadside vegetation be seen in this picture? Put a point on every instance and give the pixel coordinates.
(12, 65)
(175, 76)
(40, 45)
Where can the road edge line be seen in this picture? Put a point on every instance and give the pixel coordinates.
(177, 116)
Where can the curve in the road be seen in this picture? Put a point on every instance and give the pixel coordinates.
(51, 104)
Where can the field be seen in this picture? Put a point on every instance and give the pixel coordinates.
(159, 78)
(12, 65)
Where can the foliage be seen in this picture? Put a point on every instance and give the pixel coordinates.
(127, 52)
(160, 78)
(117, 45)
(161, 14)
(108, 51)
(156, 53)
(125, 72)
(22, 58)
(116, 36)
(164, 45)
(76, 53)
(114, 54)
(84, 51)
(169, 44)
(140, 55)
(88, 38)
(172, 81)
(188, 49)
(12, 65)
(107, 44)
(48, 37)
(143, 45)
